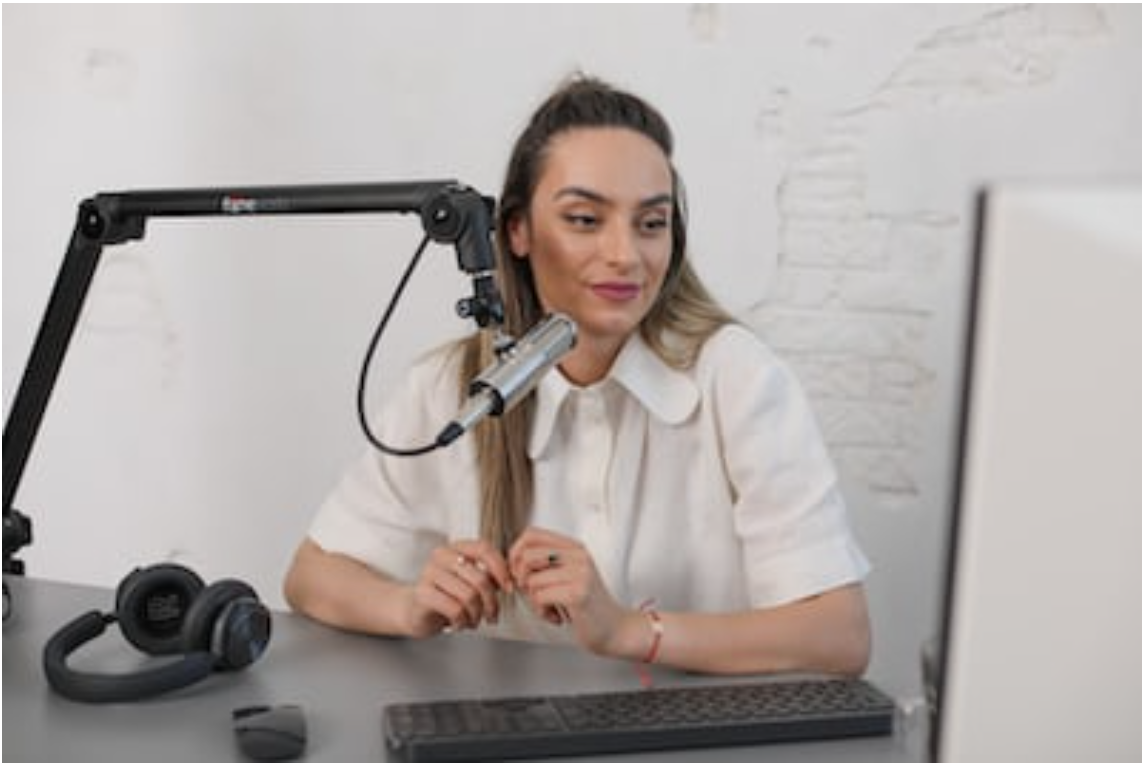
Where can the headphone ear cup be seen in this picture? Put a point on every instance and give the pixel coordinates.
(152, 605)
(229, 622)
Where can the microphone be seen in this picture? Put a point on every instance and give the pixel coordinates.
(519, 368)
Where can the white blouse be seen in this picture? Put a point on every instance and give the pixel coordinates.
(708, 489)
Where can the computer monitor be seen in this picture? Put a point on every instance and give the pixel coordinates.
(1042, 630)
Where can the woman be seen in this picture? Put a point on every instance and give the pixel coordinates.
(670, 461)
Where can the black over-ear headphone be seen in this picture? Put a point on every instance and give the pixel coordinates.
(164, 610)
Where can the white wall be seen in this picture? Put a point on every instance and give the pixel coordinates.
(830, 153)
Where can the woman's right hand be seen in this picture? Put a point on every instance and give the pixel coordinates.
(458, 588)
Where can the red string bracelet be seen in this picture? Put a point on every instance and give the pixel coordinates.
(657, 629)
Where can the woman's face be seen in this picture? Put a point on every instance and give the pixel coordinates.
(598, 231)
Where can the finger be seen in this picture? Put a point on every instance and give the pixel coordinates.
(528, 540)
(445, 607)
(478, 578)
(448, 576)
(537, 550)
(537, 537)
(488, 559)
(550, 613)
(532, 562)
(463, 595)
(484, 567)
(550, 599)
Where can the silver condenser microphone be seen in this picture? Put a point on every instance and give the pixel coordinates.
(500, 387)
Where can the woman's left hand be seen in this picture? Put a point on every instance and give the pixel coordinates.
(558, 577)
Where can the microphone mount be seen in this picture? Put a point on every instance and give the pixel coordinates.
(450, 213)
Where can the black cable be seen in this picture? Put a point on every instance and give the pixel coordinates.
(361, 381)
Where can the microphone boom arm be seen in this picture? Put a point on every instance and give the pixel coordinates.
(450, 213)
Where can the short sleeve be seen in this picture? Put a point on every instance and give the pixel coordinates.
(788, 509)
(390, 512)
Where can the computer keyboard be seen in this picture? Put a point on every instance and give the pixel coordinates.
(650, 719)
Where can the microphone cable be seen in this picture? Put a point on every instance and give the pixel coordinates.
(368, 361)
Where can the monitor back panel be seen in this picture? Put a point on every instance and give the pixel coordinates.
(1043, 634)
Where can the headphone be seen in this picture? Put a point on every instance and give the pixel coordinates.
(164, 609)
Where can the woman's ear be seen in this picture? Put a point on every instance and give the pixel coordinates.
(519, 236)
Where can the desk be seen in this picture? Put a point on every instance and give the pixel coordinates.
(342, 680)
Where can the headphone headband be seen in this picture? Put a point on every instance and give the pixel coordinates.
(83, 686)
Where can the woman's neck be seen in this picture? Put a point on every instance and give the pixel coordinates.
(590, 360)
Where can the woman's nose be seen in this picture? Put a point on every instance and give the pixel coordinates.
(621, 248)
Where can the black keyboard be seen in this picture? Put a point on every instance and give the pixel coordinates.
(652, 719)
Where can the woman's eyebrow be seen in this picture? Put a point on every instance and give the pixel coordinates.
(590, 194)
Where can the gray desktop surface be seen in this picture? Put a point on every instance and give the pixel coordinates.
(341, 680)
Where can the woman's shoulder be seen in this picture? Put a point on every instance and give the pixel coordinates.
(744, 379)
(433, 375)
(737, 363)
(440, 359)
(736, 346)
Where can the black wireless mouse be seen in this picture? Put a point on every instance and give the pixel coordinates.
(270, 733)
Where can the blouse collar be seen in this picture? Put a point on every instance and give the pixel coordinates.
(669, 395)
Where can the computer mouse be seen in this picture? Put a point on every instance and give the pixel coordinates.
(270, 733)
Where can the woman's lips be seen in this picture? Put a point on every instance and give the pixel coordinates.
(616, 291)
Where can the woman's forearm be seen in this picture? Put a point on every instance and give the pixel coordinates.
(826, 633)
(344, 593)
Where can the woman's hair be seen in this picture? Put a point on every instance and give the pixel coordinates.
(681, 319)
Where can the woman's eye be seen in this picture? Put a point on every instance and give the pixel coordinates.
(581, 220)
(654, 225)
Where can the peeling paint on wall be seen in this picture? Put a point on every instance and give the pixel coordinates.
(111, 74)
(1007, 50)
(853, 304)
(705, 22)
